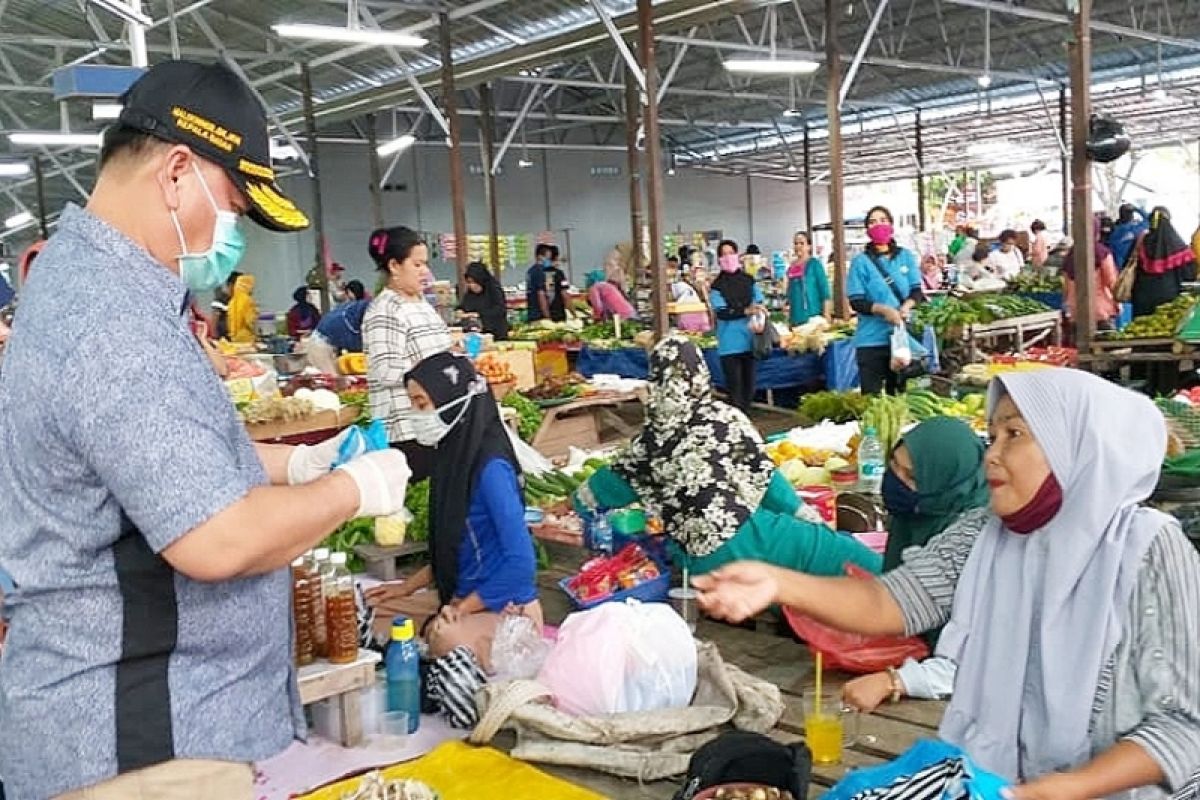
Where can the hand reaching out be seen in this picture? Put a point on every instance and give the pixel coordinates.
(737, 591)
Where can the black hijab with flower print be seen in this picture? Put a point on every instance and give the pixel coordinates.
(698, 461)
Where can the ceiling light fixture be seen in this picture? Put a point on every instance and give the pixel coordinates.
(55, 139)
(332, 33)
(792, 112)
(524, 163)
(791, 168)
(283, 151)
(397, 145)
(13, 169)
(772, 66)
(105, 111)
(1160, 94)
(17, 220)
(984, 80)
(124, 11)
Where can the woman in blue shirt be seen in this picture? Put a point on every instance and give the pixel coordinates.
(884, 285)
(735, 298)
(482, 557)
(807, 286)
(338, 331)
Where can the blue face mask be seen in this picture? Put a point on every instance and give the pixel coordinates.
(898, 498)
(203, 272)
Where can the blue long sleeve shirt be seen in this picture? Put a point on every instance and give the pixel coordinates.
(496, 558)
(342, 326)
(733, 335)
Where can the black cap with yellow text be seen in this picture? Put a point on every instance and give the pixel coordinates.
(211, 110)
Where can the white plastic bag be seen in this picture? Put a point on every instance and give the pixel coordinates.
(901, 351)
(518, 649)
(621, 657)
(532, 462)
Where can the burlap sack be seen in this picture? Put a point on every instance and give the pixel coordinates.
(645, 745)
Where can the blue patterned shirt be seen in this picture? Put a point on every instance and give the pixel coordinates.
(116, 439)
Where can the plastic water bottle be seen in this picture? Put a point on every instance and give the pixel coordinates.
(870, 463)
(602, 534)
(403, 664)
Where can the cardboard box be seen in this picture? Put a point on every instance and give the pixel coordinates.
(322, 421)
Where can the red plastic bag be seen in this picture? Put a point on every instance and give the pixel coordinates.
(853, 652)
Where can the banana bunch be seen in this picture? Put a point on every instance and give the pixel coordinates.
(352, 364)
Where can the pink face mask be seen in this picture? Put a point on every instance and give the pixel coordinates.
(729, 263)
(880, 233)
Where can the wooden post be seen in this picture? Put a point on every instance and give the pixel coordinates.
(654, 185)
(1080, 55)
(458, 202)
(636, 219)
(40, 186)
(1063, 162)
(376, 187)
(487, 133)
(920, 176)
(750, 207)
(318, 216)
(837, 211)
(808, 222)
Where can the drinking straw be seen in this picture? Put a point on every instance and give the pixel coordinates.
(687, 585)
(820, 669)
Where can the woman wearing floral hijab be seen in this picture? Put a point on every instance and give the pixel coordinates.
(701, 465)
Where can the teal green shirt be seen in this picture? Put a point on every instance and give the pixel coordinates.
(772, 533)
(807, 296)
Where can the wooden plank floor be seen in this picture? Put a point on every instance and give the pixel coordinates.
(770, 656)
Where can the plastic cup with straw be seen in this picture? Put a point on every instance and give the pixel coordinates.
(823, 727)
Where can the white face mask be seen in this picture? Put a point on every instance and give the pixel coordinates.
(429, 426)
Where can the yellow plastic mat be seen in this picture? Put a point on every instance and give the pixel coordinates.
(458, 771)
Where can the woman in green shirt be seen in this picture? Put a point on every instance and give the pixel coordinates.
(702, 466)
(808, 285)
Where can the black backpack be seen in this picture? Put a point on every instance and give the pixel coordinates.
(743, 757)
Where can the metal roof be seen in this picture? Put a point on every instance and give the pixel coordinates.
(555, 60)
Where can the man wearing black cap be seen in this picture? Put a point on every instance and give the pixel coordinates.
(149, 651)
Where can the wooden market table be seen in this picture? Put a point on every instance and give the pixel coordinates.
(587, 423)
(381, 559)
(1106, 353)
(341, 683)
(1025, 331)
(312, 429)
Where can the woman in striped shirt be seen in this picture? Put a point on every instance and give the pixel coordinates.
(399, 330)
(1074, 615)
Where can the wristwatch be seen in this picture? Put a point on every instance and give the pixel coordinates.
(897, 684)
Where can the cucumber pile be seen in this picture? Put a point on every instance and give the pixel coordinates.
(555, 486)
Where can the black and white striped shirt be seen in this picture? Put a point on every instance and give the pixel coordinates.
(397, 334)
(1149, 691)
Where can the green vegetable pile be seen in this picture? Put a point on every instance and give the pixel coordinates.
(529, 416)
(1163, 323)
(417, 503)
(1035, 283)
(350, 535)
(835, 406)
(887, 415)
(603, 335)
(360, 400)
(951, 314)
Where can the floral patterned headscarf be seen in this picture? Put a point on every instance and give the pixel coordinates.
(698, 461)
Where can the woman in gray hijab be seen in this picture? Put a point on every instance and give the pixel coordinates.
(1074, 615)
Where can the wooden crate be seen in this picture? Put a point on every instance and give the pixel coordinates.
(1025, 331)
(341, 683)
(521, 363)
(321, 422)
(578, 423)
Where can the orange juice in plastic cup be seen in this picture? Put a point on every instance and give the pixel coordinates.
(824, 733)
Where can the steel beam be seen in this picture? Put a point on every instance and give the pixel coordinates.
(921, 176)
(40, 186)
(670, 76)
(487, 138)
(458, 202)
(653, 168)
(314, 171)
(855, 62)
(376, 187)
(837, 214)
(631, 63)
(1063, 19)
(1080, 56)
(534, 91)
(808, 220)
(636, 218)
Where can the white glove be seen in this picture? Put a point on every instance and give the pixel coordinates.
(382, 479)
(309, 462)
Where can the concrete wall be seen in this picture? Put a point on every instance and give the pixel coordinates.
(595, 209)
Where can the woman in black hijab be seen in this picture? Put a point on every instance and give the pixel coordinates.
(485, 297)
(482, 553)
(1164, 263)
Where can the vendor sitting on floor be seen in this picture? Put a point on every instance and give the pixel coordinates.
(702, 464)
(934, 482)
(482, 553)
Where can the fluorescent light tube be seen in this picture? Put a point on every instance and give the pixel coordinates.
(332, 33)
(55, 139)
(524, 163)
(13, 169)
(772, 66)
(402, 142)
(106, 110)
(17, 220)
(124, 11)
